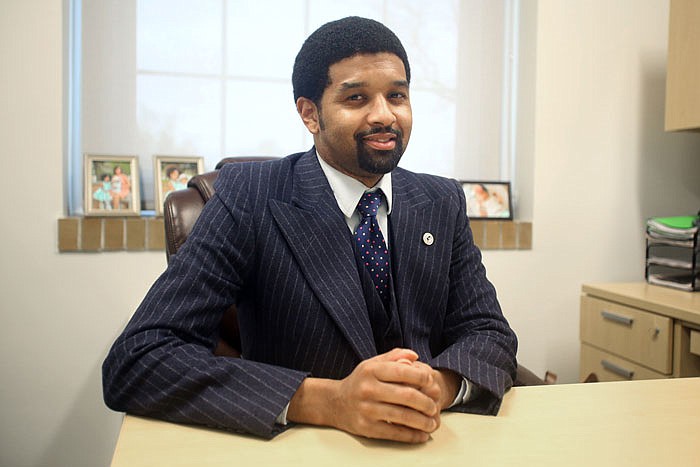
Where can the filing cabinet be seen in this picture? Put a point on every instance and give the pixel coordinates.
(631, 331)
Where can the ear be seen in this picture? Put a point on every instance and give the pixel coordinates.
(309, 114)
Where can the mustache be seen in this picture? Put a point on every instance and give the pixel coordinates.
(374, 131)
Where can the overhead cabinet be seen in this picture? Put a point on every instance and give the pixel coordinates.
(683, 67)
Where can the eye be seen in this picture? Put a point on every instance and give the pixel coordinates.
(356, 97)
(398, 96)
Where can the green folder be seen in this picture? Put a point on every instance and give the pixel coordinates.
(678, 222)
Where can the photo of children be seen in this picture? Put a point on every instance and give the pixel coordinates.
(121, 188)
(488, 200)
(103, 193)
(172, 174)
(175, 179)
(109, 185)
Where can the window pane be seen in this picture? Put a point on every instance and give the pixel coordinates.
(430, 39)
(323, 11)
(431, 148)
(262, 120)
(263, 37)
(179, 35)
(177, 116)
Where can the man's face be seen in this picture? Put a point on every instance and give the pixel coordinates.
(364, 121)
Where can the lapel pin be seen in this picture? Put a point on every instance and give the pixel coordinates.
(428, 238)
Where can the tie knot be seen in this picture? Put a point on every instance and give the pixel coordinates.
(369, 203)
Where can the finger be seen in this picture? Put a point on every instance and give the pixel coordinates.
(397, 354)
(408, 397)
(409, 418)
(433, 389)
(396, 432)
(402, 373)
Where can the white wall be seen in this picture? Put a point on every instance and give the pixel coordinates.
(60, 312)
(599, 149)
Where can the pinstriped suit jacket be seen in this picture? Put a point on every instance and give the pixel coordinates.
(274, 241)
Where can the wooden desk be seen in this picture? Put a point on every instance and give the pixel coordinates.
(636, 423)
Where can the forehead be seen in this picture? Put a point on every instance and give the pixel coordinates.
(379, 67)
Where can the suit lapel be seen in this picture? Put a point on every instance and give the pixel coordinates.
(409, 220)
(319, 239)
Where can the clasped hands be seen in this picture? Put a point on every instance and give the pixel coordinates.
(391, 396)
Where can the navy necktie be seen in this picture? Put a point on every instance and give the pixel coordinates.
(371, 245)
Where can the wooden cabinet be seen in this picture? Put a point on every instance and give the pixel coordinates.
(683, 66)
(633, 331)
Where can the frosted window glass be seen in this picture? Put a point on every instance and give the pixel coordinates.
(430, 39)
(262, 120)
(323, 11)
(431, 147)
(179, 35)
(267, 46)
(177, 116)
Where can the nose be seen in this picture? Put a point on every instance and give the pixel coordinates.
(380, 113)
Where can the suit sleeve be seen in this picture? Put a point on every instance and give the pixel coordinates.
(479, 343)
(162, 365)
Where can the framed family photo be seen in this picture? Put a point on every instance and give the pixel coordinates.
(172, 173)
(488, 200)
(111, 185)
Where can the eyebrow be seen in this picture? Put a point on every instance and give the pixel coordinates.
(360, 84)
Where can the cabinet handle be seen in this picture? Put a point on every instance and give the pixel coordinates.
(617, 318)
(618, 370)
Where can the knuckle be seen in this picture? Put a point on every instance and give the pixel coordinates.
(364, 390)
(362, 424)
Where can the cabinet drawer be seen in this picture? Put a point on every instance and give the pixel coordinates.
(642, 337)
(694, 342)
(608, 367)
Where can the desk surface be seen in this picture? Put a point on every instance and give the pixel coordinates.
(636, 423)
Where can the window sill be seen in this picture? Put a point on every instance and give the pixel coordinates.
(502, 235)
(103, 234)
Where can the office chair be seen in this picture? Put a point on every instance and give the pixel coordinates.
(180, 211)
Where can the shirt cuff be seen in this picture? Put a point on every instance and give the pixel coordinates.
(466, 393)
(282, 417)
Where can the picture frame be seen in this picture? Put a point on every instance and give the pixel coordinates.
(182, 168)
(488, 200)
(111, 185)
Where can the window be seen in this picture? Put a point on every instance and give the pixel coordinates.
(212, 78)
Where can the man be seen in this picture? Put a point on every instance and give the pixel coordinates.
(370, 317)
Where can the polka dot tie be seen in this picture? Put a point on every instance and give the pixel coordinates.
(371, 245)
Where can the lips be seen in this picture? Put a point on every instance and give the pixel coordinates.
(381, 141)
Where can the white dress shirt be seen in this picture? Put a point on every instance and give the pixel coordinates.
(348, 191)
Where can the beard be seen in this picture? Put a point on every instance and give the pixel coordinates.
(375, 161)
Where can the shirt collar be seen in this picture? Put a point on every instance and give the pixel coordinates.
(348, 191)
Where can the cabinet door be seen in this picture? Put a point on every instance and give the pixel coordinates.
(636, 335)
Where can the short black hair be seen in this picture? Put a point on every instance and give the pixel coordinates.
(335, 41)
(170, 169)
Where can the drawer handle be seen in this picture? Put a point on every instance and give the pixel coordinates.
(625, 373)
(617, 318)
